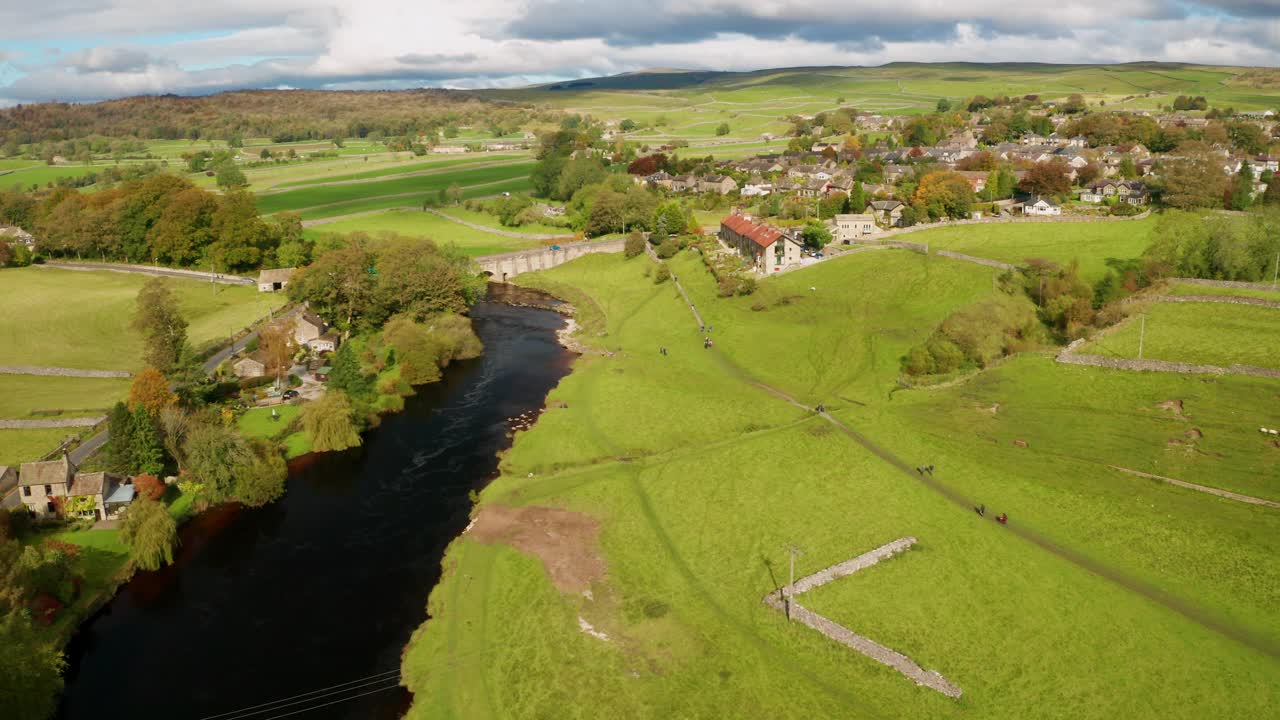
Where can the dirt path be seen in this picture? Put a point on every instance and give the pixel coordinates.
(1200, 488)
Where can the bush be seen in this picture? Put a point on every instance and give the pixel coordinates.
(148, 486)
(976, 336)
(668, 248)
(635, 244)
(1124, 209)
(662, 274)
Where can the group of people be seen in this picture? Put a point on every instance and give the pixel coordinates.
(1002, 518)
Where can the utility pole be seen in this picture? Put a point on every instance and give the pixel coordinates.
(1276, 272)
(1142, 333)
(791, 584)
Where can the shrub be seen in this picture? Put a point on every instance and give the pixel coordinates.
(635, 244)
(662, 274)
(668, 248)
(150, 533)
(148, 486)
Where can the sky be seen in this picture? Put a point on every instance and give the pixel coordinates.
(86, 50)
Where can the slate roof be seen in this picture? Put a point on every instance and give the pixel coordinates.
(49, 472)
(88, 484)
(278, 275)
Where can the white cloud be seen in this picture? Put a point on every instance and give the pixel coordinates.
(398, 43)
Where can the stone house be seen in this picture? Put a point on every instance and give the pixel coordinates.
(8, 479)
(854, 227)
(684, 183)
(1132, 192)
(660, 179)
(887, 212)
(327, 342)
(95, 496)
(310, 331)
(15, 234)
(719, 184)
(273, 280)
(769, 249)
(249, 366)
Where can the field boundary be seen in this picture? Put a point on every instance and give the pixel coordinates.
(62, 371)
(1069, 356)
(783, 600)
(1224, 299)
(1226, 283)
(47, 424)
(1200, 488)
(222, 278)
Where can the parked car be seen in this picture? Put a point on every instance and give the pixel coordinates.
(290, 394)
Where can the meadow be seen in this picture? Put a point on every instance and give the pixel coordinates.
(1182, 288)
(37, 396)
(416, 224)
(361, 203)
(1144, 600)
(78, 319)
(1090, 244)
(422, 185)
(19, 446)
(1202, 333)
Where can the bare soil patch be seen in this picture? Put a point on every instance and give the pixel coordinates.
(566, 542)
(1173, 406)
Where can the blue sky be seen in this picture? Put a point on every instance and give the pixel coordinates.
(83, 50)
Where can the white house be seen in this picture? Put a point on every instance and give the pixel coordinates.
(768, 248)
(1042, 206)
(854, 227)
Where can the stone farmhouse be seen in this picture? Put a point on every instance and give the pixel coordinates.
(887, 212)
(1132, 192)
(769, 249)
(249, 366)
(53, 489)
(311, 332)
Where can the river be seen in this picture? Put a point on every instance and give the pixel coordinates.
(325, 586)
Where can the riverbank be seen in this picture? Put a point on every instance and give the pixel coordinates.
(271, 580)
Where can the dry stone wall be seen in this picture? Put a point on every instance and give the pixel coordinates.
(1068, 356)
(61, 372)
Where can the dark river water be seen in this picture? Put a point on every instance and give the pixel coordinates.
(324, 587)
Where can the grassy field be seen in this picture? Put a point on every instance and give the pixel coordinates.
(1203, 333)
(70, 318)
(699, 480)
(1178, 288)
(423, 185)
(19, 446)
(401, 167)
(32, 396)
(1091, 244)
(515, 184)
(258, 423)
(415, 223)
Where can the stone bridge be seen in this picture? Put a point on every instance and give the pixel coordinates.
(502, 268)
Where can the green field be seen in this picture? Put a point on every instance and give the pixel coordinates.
(71, 318)
(1202, 333)
(515, 184)
(1177, 288)
(422, 185)
(1161, 605)
(399, 168)
(36, 396)
(415, 223)
(1092, 244)
(19, 446)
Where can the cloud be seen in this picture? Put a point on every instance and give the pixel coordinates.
(138, 46)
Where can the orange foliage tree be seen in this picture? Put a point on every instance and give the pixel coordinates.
(151, 391)
(148, 486)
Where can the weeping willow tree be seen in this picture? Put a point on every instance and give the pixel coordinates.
(330, 423)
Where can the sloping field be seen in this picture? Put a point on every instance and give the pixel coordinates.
(312, 197)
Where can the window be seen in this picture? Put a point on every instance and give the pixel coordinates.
(26, 491)
(48, 489)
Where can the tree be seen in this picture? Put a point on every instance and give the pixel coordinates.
(722, 129)
(228, 175)
(277, 346)
(263, 480)
(1088, 174)
(216, 456)
(454, 193)
(151, 391)
(329, 422)
(148, 486)
(668, 219)
(635, 244)
(1194, 179)
(30, 667)
(159, 320)
(349, 377)
(815, 235)
(945, 193)
(944, 105)
(1127, 169)
(1047, 178)
(1271, 197)
(1239, 193)
(150, 533)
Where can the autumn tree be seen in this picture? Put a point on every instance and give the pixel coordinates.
(159, 320)
(277, 346)
(1194, 179)
(1047, 178)
(945, 193)
(151, 391)
(330, 423)
(148, 486)
(150, 533)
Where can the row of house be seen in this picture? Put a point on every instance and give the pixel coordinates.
(719, 184)
(49, 488)
(767, 248)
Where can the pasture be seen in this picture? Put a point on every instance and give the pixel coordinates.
(1202, 333)
(418, 187)
(78, 319)
(19, 446)
(417, 224)
(699, 479)
(39, 396)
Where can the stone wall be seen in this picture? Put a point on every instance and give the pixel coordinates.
(978, 260)
(1225, 283)
(507, 265)
(1227, 299)
(1068, 356)
(1013, 221)
(61, 372)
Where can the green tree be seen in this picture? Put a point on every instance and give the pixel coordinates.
(159, 320)
(1194, 179)
(722, 129)
(149, 532)
(1127, 169)
(454, 193)
(668, 219)
(635, 244)
(944, 105)
(30, 668)
(349, 377)
(263, 480)
(228, 175)
(216, 456)
(1240, 192)
(330, 423)
(815, 235)
(1271, 197)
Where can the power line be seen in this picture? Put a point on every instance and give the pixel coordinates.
(320, 693)
(393, 686)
